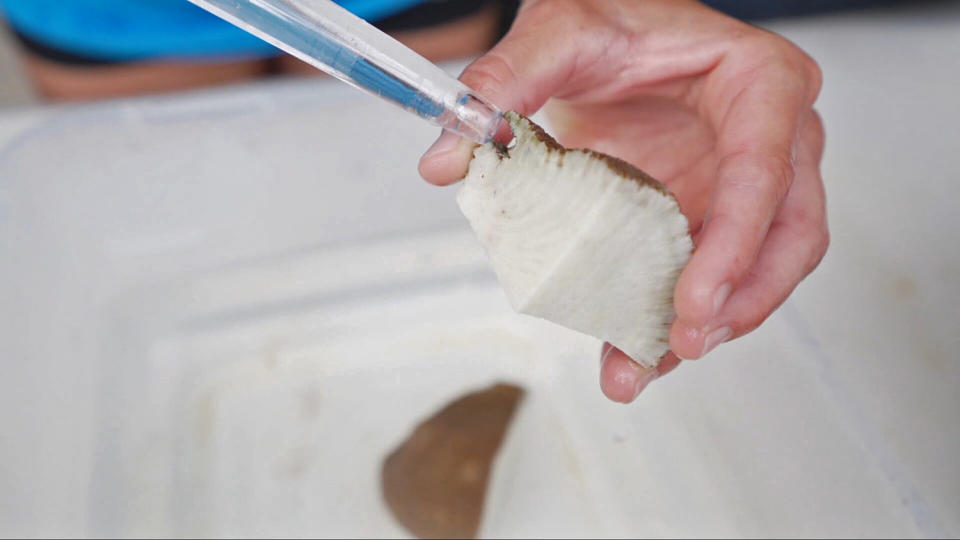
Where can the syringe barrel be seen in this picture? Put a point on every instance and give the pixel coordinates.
(334, 40)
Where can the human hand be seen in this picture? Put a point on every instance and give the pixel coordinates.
(718, 110)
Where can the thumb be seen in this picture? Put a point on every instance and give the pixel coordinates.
(533, 62)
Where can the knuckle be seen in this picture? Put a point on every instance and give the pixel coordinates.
(777, 169)
(816, 132)
(804, 70)
(789, 63)
(808, 74)
(814, 77)
(820, 246)
(766, 175)
(812, 237)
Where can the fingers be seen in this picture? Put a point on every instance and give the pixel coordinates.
(446, 161)
(758, 113)
(795, 244)
(622, 379)
(529, 65)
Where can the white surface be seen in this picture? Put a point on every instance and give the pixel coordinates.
(218, 312)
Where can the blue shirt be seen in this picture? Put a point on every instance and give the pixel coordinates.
(120, 30)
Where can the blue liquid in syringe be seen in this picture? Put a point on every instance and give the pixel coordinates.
(375, 79)
(371, 77)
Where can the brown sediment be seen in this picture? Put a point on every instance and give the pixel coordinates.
(502, 150)
(436, 480)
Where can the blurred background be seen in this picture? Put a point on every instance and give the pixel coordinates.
(14, 88)
(89, 49)
(219, 315)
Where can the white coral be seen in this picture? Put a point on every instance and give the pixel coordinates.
(579, 238)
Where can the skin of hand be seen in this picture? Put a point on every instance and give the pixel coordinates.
(718, 110)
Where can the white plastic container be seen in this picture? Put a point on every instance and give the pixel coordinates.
(219, 312)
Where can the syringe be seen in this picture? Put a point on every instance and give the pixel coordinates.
(334, 40)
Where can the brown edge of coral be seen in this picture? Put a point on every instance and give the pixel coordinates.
(617, 165)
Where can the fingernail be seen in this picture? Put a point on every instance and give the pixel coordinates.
(715, 338)
(720, 298)
(445, 143)
(646, 376)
